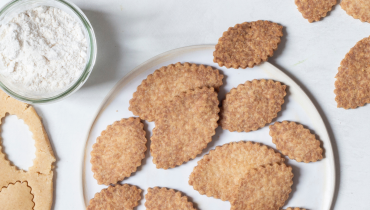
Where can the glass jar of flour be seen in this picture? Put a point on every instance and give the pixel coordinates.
(47, 49)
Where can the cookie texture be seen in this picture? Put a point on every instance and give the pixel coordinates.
(295, 141)
(218, 173)
(122, 197)
(118, 151)
(358, 9)
(314, 10)
(252, 105)
(166, 199)
(296, 208)
(184, 127)
(352, 87)
(170, 81)
(263, 188)
(40, 175)
(16, 197)
(247, 44)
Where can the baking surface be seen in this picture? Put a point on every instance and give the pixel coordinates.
(297, 108)
(131, 32)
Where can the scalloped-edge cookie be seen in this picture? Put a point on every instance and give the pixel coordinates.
(218, 172)
(166, 199)
(358, 9)
(252, 105)
(123, 197)
(296, 208)
(263, 188)
(170, 81)
(118, 151)
(40, 175)
(184, 127)
(314, 10)
(352, 87)
(247, 44)
(295, 141)
(16, 196)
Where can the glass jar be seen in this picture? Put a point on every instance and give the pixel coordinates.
(10, 10)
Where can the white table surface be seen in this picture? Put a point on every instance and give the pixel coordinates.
(130, 32)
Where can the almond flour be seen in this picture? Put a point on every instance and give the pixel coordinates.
(42, 50)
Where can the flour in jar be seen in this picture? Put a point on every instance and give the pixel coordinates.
(42, 50)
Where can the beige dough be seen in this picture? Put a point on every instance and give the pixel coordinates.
(39, 176)
(16, 197)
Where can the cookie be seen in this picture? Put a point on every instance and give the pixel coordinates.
(247, 44)
(218, 173)
(263, 188)
(118, 151)
(290, 208)
(358, 9)
(352, 87)
(122, 197)
(166, 199)
(40, 175)
(170, 81)
(184, 127)
(252, 105)
(314, 10)
(295, 141)
(16, 196)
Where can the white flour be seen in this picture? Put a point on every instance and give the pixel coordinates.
(42, 50)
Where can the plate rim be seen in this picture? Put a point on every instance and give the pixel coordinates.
(105, 102)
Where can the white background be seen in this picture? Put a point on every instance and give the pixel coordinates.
(130, 32)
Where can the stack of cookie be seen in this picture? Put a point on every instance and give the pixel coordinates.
(182, 100)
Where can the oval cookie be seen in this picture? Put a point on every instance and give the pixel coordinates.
(125, 197)
(252, 105)
(218, 172)
(296, 208)
(184, 127)
(263, 188)
(247, 44)
(314, 10)
(352, 87)
(295, 141)
(170, 81)
(358, 9)
(166, 199)
(16, 196)
(118, 151)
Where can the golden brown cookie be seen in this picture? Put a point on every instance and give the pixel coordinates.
(263, 188)
(184, 127)
(166, 199)
(352, 86)
(290, 208)
(295, 141)
(122, 197)
(252, 105)
(40, 175)
(247, 44)
(314, 10)
(16, 197)
(219, 172)
(118, 151)
(358, 9)
(170, 81)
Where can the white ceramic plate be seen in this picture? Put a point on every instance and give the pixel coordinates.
(314, 183)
